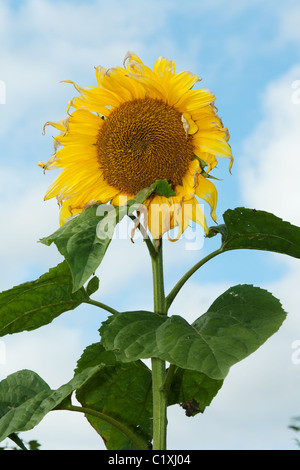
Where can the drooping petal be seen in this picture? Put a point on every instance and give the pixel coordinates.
(192, 210)
(206, 190)
(159, 216)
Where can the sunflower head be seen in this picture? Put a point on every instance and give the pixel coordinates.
(136, 126)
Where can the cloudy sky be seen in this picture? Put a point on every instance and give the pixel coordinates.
(248, 54)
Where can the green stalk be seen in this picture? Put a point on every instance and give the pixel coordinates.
(182, 281)
(158, 365)
(139, 443)
(101, 305)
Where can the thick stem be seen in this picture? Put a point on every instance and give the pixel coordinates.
(158, 365)
(158, 282)
(159, 404)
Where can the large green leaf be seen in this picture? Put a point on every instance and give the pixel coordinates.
(235, 325)
(19, 387)
(77, 241)
(132, 335)
(257, 230)
(36, 303)
(121, 391)
(84, 239)
(27, 409)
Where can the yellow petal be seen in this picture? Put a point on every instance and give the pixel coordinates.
(179, 84)
(82, 121)
(60, 125)
(195, 99)
(208, 158)
(206, 190)
(189, 125)
(178, 221)
(66, 212)
(193, 211)
(159, 217)
(187, 189)
(117, 81)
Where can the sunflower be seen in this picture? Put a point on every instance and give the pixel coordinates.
(137, 126)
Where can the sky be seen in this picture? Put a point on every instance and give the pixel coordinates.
(248, 54)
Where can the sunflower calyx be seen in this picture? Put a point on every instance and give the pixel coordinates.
(163, 188)
(202, 163)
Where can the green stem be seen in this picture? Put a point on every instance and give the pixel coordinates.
(188, 274)
(158, 282)
(101, 305)
(169, 378)
(137, 441)
(158, 365)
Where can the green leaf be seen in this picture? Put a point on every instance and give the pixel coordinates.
(92, 286)
(84, 239)
(193, 390)
(257, 230)
(26, 411)
(236, 324)
(19, 387)
(16, 389)
(122, 391)
(79, 244)
(36, 303)
(132, 335)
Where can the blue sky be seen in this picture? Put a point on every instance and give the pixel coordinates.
(248, 54)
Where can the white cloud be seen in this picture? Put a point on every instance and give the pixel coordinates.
(45, 43)
(51, 352)
(200, 297)
(271, 160)
(259, 396)
(269, 181)
(25, 219)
